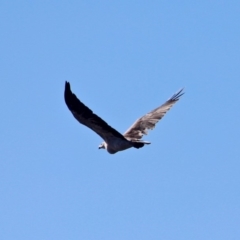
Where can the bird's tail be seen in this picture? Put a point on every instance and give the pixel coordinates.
(139, 144)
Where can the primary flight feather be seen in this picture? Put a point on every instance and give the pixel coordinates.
(113, 140)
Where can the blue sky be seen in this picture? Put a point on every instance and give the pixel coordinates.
(123, 59)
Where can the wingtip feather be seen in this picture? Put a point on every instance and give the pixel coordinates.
(177, 95)
(67, 85)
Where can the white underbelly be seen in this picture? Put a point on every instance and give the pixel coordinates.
(118, 145)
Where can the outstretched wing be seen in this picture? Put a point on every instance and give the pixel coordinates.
(86, 117)
(148, 121)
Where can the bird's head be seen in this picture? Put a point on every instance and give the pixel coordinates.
(102, 145)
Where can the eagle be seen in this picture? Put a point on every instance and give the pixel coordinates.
(113, 140)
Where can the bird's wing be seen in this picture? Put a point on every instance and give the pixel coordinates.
(148, 121)
(86, 117)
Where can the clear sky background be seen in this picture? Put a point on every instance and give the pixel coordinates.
(123, 59)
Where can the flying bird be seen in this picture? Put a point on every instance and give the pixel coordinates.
(113, 140)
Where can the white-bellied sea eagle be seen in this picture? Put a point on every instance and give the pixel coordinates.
(113, 140)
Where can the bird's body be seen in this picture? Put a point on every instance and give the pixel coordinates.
(113, 140)
(112, 145)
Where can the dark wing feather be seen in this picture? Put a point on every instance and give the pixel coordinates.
(86, 117)
(148, 121)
